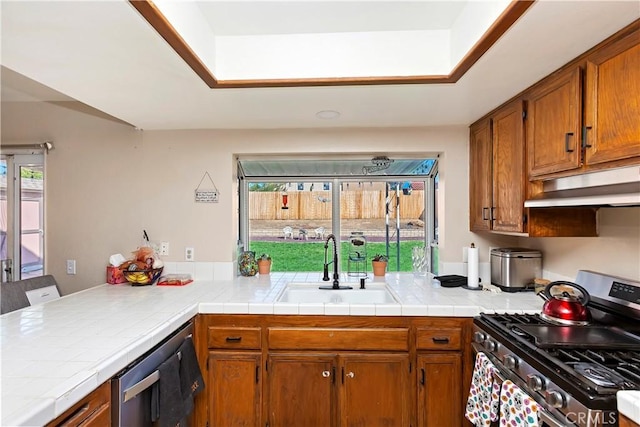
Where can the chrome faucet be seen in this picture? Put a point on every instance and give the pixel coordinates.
(336, 275)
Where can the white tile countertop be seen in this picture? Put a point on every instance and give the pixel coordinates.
(55, 353)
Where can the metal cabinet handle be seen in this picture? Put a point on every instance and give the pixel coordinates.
(351, 374)
(234, 339)
(567, 136)
(440, 340)
(423, 378)
(326, 374)
(492, 211)
(485, 217)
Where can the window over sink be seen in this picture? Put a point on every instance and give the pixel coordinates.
(288, 208)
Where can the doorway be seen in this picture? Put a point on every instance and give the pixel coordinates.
(21, 216)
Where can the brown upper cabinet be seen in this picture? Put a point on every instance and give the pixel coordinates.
(612, 102)
(581, 118)
(498, 184)
(507, 211)
(480, 169)
(584, 117)
(496, 171)
(554, 124)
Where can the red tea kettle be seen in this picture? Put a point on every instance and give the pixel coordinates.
(565, 307)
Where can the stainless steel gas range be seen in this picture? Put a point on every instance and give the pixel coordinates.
(573, 372)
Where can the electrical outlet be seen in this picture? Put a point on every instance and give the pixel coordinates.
(71, 266)
(188, 254)
(164, 249)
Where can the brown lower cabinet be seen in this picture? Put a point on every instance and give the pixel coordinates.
(280, 371)
(94, 410)
(234, 388)
(375, 390)
(439, 383)
(626, 422)
(302, 390)
(320, 389)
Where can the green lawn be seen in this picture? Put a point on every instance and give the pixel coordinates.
(309, 256)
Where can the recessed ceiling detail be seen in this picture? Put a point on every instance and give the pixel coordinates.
(330, 43)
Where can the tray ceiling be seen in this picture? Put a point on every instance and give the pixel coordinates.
(106, 56)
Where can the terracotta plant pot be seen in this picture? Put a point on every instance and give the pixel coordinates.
(264, 266)
(379, 268)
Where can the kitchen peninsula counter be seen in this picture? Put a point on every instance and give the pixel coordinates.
(55, 353)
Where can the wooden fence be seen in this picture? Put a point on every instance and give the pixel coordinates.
(356, 204)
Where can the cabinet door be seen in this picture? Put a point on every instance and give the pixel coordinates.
(375, 390)
(480, 167)
(301, 390)
(554, 113)
(627, 422)
(439, 390)
(612, 109)
(508, 169)
(233, 385)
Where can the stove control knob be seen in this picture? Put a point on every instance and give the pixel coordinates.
(536, 382)
(556, 399)
(510, 362)
(479, 337)
(490, 345)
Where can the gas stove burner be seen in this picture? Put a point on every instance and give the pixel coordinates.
(519, 332)
(599, 375)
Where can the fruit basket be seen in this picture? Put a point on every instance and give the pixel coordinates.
(142, 277)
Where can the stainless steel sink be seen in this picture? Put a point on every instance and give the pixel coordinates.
(308, 292)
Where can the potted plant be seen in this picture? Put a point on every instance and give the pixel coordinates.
(379, 264)
(264, 264)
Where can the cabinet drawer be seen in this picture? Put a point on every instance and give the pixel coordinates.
(438, 338)
(100, 418)
(94, 406)
(394, 339)
(234, 338)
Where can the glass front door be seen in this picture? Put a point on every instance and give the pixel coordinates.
(21, 216)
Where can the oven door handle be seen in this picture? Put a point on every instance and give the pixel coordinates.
(145, 383)
(544, 417)
(141, 386)
(498, 376)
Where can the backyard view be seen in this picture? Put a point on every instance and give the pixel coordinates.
(28, 231)
(291, 222)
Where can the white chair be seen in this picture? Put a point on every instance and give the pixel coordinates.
(319, 233)
(288, 232)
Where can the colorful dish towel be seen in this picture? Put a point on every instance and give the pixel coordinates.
(484, 393)
(516, 408)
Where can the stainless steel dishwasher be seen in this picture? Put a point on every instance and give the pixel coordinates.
(131, 387)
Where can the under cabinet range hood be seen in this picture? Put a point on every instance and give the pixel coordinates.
(613, 187)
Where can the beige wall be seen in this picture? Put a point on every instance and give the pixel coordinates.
(616, 251)
(106, 182)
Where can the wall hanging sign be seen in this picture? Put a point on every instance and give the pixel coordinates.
(206, 194)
